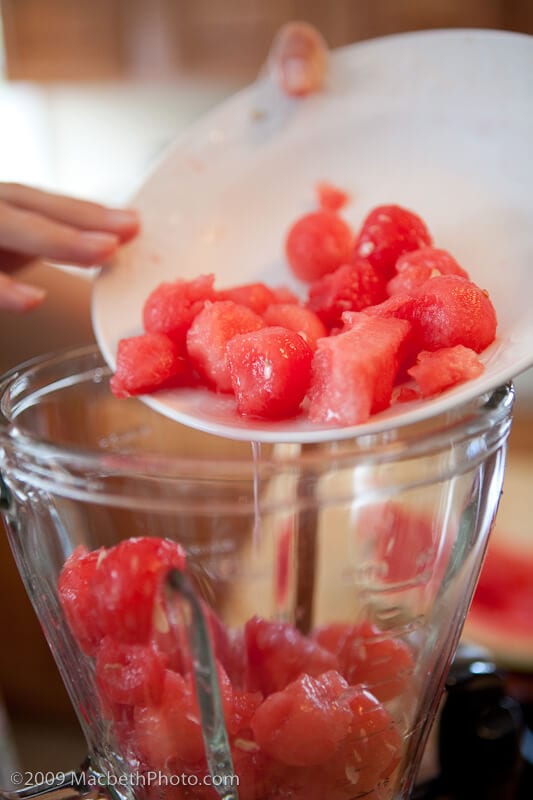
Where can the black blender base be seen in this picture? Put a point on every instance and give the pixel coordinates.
(484, 737)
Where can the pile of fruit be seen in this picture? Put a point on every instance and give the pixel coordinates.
(383, 306)
(305, 715)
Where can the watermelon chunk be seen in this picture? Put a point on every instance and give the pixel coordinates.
(270, 372)
(283, 294)
(368, 755)
(406, 394)
(453, 311)
(76, 595)
(277, 654)
(129, 674)
(445, 311)
(303, 724)
(387, 233)
(354, 372)
(330, 197)
(418, 266)
(168, 733)
(209, 335)
(171, 307)
(366, 655)
(256, 296)
(126, 583)
(148, 363)
(402, 540)
(298, 319)
(434, 372)
(318, 243)
(351, 287)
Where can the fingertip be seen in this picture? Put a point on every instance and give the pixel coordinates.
(298, 59)
(296, 77)
(124, 222)
(94, 248)
(20, 297)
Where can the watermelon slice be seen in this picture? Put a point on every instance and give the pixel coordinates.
(500, 616)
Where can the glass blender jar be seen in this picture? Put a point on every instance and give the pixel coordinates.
(266, 625)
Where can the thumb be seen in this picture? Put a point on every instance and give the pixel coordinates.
(17, 296)
(298, 59)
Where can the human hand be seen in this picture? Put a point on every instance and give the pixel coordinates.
(298, 59)
(39, 224)
(34, 224)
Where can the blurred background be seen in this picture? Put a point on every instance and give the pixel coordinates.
(90, 94)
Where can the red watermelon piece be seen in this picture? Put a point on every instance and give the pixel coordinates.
(351, 287)
(318, 243)
(283, 294)
(303, 724)
(256, 296)
(148, 363)
(330, 197)
(76, 595)
(445, 311)
(367, 655)
(126, 583)
(171, 307)
(401, 539)
(354, 372)
(500, 615)
(277, 654)
(270, 372)
(418, 266)
(434, 372)
(369, 754)
(209, 335)
(168, 733)
(129, 674)
(387, 233)
(298, 319)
